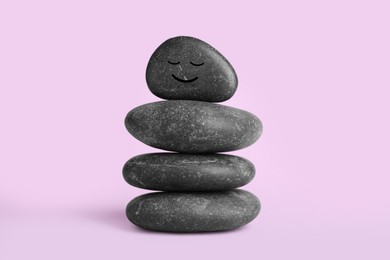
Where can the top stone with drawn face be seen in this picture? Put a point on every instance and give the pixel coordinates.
(189, 69)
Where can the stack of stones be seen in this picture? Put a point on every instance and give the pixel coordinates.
(198, 184)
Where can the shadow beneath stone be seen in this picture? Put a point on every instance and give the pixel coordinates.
(111, 217)
(116, 218)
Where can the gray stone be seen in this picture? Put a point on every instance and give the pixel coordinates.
(193, 211)
(193, 126)
(188, 172)
(187, 68)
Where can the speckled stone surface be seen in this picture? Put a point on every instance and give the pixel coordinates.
(187, 68)
(193, 126)
(193, 211)
(188, 172)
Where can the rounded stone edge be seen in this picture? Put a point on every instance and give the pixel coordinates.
(244, 163)
(246, 222)
(135, 135)
(234, 90)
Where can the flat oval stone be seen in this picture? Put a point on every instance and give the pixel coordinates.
(193, 211)
(188, 172)
(193, 126)
(187, 68)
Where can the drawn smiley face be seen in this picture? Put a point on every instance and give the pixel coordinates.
(188, 68)
(185, 80)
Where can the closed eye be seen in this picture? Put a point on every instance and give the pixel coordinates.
(173, 63)
(197, 64)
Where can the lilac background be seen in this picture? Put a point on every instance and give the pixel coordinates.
(315, 72)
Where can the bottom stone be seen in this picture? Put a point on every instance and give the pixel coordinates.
(193, 211)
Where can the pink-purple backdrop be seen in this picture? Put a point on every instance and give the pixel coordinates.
(316, 72)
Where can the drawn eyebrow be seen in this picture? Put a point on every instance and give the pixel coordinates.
(197, 64)
(173, 63)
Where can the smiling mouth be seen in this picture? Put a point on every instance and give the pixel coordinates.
(184, 80)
